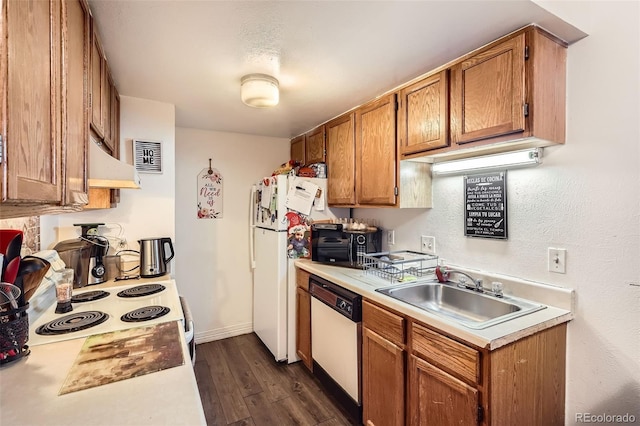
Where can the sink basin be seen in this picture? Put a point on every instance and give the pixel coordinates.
(471, 309)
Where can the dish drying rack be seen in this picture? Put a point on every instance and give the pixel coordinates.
(400, 266)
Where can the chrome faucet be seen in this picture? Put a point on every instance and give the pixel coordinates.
(462, 280)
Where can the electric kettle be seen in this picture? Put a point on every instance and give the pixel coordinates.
(154, 256)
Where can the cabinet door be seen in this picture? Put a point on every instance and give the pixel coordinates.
(303, 326)
(382, 381)
(98, 79)
(107, 110)
(30, 89)
(315, 146)
(423, 115)
(488, 93)
(341, 166)
(438, 399)
(376, 152)
(76, 49)
(298, 150)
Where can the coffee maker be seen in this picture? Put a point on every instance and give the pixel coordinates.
(85, 255)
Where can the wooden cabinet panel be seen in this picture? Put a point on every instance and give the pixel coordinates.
(533, 370)
(386, 324)
(98, 79)
(314, 145)
(383, 375)
(31, 60)
(376, 152)
(302, 279)
(423, 114)
(298, 150)
(76, 48)
(341, 167)
(107, 109)
(438, 399)
(454, 357)
(303, 326)
(488, 93)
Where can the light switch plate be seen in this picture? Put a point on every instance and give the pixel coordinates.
(557, 260)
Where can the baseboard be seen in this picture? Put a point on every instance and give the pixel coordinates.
(223, 333)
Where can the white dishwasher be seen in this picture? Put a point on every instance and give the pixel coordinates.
(336, 341)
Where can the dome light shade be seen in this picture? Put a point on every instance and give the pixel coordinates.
(259, 90)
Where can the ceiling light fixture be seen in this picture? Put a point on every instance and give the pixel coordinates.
(508, 160)
(259, 90)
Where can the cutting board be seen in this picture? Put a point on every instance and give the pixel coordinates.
(120, 355)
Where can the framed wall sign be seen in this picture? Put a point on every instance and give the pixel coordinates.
(485, 205)
(147, 156)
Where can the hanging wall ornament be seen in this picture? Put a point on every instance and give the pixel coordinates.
(209, 193)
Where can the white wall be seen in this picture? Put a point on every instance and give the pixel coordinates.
(143, 213)
(213, 265)
(585, 198)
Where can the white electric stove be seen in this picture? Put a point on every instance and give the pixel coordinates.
(145, 303)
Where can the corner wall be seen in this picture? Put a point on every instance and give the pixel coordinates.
(212, 255)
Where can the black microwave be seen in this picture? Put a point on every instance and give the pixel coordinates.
(331, 243)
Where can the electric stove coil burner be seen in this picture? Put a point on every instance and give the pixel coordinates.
(89, 296)
(73, 322)
(147, 313)
(142, 290)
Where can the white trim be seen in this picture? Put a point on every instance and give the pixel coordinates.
(223, 333)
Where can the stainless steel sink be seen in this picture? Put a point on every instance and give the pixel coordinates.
(471, 309)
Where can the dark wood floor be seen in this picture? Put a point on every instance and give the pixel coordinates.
(241, 384)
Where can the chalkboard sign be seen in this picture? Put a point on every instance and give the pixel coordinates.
(485, 200)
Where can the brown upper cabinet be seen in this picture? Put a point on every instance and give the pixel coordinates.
(423, 114)
(98, 83)
(75, 133)
(376, 152)
(298, 150)
(341, 163)
(511, 89)
(43, 53)
(315, 152)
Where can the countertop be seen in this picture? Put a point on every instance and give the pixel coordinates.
(558, 301)
(29, 390)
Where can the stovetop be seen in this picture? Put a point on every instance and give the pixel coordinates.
(114, 307)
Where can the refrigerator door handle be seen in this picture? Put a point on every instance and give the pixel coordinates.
(252, 226)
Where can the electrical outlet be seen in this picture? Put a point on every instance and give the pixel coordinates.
(428, 244)
(391, 237)
(557, 260)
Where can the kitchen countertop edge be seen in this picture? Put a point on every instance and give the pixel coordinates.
(490, 338)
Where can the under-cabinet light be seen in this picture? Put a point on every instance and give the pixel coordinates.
(507, 160)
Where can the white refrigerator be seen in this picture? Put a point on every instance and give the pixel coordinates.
(274, 284)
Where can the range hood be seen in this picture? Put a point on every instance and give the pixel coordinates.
(108, 172)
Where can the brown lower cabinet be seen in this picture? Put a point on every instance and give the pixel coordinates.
(303, 318)
(416, 375)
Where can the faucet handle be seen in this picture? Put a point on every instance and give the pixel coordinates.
(496, 288)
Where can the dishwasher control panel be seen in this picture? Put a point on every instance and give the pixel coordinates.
(337, 298)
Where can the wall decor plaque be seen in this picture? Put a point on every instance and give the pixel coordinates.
(209, 193)
(485, 205)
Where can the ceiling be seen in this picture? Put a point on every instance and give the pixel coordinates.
(329, 56)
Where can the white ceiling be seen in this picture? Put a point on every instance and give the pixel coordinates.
(329, 56)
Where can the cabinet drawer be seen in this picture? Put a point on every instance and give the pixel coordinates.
(386, 324)
(302, 279)
(456, 358)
